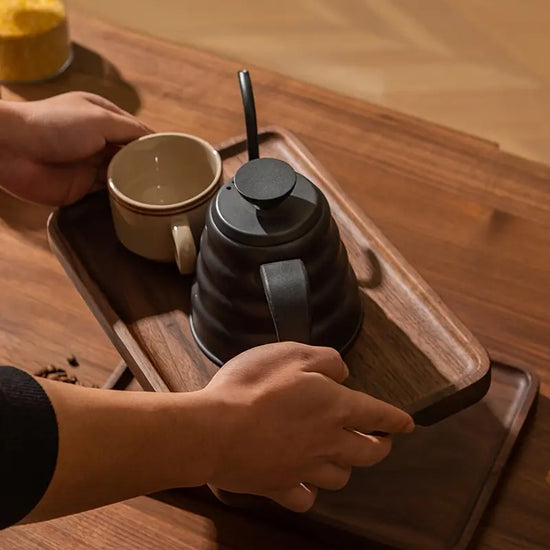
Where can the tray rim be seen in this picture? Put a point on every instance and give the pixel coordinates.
(497, 471)
(136, 359)
(141, 365)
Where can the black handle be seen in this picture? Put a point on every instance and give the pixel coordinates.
(286, 288)
(249, 115)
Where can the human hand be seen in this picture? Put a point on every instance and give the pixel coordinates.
(286, 425)
(56, 150)
(272, 422)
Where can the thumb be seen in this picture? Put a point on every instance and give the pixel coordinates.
(298, 499)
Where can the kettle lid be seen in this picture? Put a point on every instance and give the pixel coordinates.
(266, 203)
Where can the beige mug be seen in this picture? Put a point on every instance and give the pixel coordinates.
(159, 188)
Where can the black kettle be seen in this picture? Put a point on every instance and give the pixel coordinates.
(271, 265)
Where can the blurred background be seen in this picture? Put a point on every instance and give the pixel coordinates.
(480, 66)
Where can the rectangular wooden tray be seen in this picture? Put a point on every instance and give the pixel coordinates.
(412, 351)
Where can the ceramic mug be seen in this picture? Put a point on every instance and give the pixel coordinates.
(159, 188)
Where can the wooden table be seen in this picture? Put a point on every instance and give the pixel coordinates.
(473, 220)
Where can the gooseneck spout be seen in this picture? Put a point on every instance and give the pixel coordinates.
(249, 115)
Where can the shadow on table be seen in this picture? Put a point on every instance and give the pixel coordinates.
(89, 72)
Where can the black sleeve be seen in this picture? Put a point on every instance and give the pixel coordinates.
(28, 444)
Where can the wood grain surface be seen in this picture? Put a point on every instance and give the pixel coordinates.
(412, 351)
(475, 65)
(472, 220)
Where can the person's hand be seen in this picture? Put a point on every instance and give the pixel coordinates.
(275, 421)
(288, 426)
(56, 150)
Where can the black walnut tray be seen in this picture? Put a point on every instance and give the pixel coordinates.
(412, 351)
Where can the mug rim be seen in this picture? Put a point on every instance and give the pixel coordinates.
(166, 208)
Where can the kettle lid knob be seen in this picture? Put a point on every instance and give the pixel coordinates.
(265, 182)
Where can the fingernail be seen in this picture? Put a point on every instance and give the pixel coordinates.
(410, 428)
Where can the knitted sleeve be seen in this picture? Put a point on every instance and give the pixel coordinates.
(28, 444)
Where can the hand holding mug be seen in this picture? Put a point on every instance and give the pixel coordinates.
(56, 150)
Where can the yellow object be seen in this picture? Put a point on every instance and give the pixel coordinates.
(34, 42)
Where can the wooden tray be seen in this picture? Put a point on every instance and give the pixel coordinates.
(432, 490)
(412, 351)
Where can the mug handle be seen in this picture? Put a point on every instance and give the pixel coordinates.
(286, 288)
(185, 249)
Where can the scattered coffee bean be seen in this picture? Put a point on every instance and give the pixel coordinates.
(73, 361)
(51, 372)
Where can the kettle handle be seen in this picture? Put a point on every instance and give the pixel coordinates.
(286, 288)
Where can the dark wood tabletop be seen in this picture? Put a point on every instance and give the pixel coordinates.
(472, 219)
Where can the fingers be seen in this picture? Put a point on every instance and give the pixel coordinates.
(100, 101)
(302, 497)
(298, 499)
(111, 107)
(329, 476)
(329, 362)
(116, 124)
(117, 128)
(368, 414)
(357, 449)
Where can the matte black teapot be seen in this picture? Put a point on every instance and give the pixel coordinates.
(271, 265)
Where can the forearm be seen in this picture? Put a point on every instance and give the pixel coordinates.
(117, 445)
